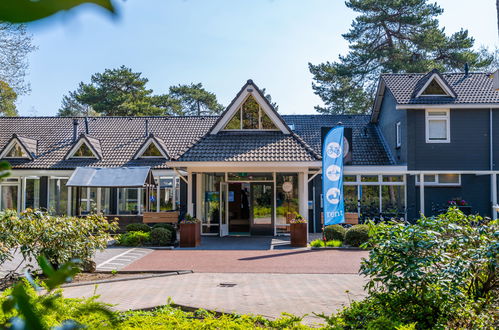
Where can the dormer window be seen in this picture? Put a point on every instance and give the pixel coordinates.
(16, 151)
(151, 152)
(86, 147)
(153, 147)
(434, 89)
(83, 152)
(250, 116)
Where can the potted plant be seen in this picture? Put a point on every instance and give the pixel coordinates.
(298, 231)
(190, 231)
(461, 204)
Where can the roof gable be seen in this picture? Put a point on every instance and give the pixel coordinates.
(20, 147)
(250, 91)
(85, 147)
(433, 84)
(151, 147)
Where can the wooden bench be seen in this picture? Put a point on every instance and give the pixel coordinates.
(160, 217)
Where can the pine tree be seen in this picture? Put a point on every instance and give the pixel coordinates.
(390, 36)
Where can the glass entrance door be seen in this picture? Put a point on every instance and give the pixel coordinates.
(262, 208)
(224, 205)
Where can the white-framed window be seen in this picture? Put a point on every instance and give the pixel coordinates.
(398, 134)
(437, 126)
(440, 180)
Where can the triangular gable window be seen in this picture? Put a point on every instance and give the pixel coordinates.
(152, 151)
(434, 89)
(250, 116)
(83, 151)
(16, 151)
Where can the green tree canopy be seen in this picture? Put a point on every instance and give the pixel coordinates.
(390, 36)
(8, 99)
(195, 100)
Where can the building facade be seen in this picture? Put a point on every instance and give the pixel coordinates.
(249, 169)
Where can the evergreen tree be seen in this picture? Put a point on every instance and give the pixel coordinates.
(195, 100)
(390, 36)
(8, 99)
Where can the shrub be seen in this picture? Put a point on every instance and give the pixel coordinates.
(138, 227)
(317, 243)
(161, 236)
(59, 238)
(335, 232)
(357, 235)
(168, 226)
(334, 243)
(134, 238)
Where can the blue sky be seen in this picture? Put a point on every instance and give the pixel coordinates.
(220, 43)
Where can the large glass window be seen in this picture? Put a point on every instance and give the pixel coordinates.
(369, 201)
(9, 197)
(286, 200)
(166, 194)
(58, 196)
(88, 201)
(128, 201)
(350, 198)
(243, 176)
(393, 201)
(211, 202)
(32, 193)
(250, 116)
(105, 201)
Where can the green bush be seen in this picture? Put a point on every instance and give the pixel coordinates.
(161, 236)
(334, 243)
(168, 226)
(138, 227)
(357, 235)
(335, 232)
(134, 238)
(317, 243)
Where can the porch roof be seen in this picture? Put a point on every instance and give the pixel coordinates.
(117, 177)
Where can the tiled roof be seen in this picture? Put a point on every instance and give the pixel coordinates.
(185, 139)
(473, 88)
(249, 147)
(119, 137)
(367, 145)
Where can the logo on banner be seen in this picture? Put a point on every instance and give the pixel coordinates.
(333, 172)
(333, 150)
(333, 195)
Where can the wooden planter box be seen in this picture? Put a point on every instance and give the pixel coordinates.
(190, 234)
(299, 234)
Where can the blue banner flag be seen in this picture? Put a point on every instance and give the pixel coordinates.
(332, 177)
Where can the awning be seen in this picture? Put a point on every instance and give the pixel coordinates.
(118, 177)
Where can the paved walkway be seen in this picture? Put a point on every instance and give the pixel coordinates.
(262, 294)
(302, 261)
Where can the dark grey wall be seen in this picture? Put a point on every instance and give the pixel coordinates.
(387, 121)
(468, 149)
(44, 197)
(475, 189)
(495, 138)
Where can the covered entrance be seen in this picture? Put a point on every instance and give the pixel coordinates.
(247, 208)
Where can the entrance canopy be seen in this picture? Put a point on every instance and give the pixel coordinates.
(119, 177)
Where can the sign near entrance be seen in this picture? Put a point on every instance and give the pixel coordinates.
(332, 176)
(287, 187)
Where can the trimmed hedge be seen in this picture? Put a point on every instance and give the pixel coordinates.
(138, 227)
(357, 235)
(335, 233)
(134, 238)
(168, 226)
(161, 236)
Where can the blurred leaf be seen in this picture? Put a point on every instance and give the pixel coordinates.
(26, 308)
(4, 168)
(63, 275)
(22, 11)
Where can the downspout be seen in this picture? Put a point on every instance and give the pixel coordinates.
(493, 176)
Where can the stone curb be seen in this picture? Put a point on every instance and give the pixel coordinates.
(143, 277)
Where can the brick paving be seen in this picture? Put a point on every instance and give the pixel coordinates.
(301, 261)
(268, 295)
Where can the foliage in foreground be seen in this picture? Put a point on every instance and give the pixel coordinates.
(33, 233)
(439, 273)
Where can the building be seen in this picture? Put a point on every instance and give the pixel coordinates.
(247, 170)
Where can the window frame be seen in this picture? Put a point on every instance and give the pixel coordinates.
(77, 147)
(261, 113)
(437, 182)
(429, 118)
(398, 134)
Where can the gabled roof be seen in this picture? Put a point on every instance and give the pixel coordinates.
(433, 75)
(250, 88)
(471, 88)
(159, 143)
(30, 146)
(90, 142)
